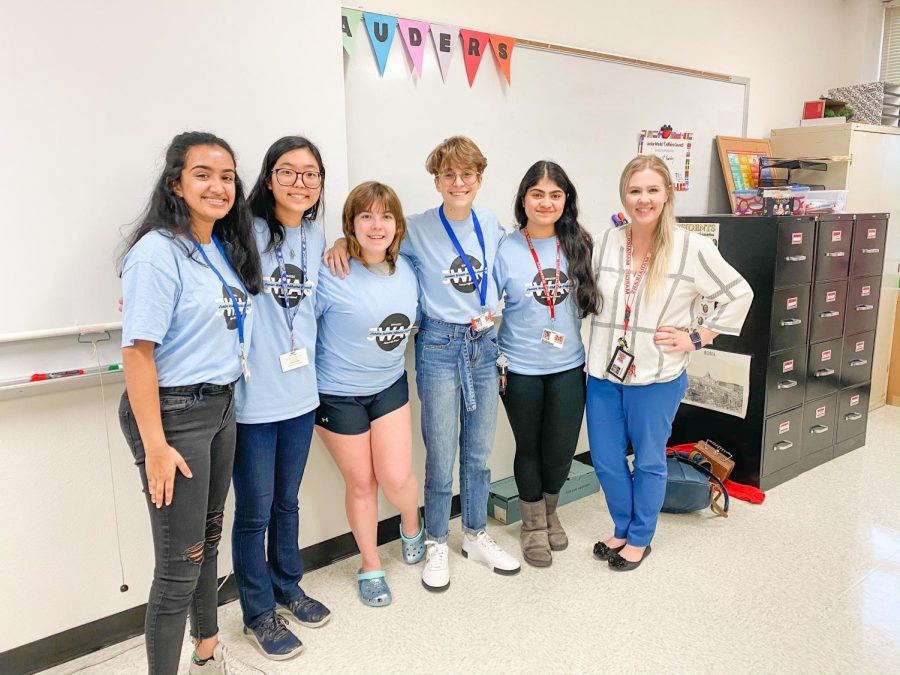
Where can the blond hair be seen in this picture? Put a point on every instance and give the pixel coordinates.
(365, 197)
(664, 236)
(457, 151)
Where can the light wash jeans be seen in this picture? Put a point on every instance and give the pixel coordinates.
(458, 385)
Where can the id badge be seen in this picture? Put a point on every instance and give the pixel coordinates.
(620, 363)
(483, 321)
(553, 338)
(293, 360)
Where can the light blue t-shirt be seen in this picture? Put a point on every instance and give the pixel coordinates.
(364, 326)
(179, 303)
(448, 293)
(272, 395)
(527, 312)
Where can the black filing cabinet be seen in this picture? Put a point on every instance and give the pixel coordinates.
(810, 334)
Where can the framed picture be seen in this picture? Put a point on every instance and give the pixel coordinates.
(740, 163)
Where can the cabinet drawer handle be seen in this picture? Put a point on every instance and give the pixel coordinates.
(870, 250)
(787, 384)
(864, 308)
(824, 372)
(818, 429)
(858, 362)
(852, 417)
(829, 314)
(834, 254)
(791, 322)
(783, 445)
(795, 258)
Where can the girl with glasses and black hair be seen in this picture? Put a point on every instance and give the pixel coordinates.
(544, 268)
(187, 275)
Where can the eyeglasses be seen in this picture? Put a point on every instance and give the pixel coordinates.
(468, 178)
(288, 178)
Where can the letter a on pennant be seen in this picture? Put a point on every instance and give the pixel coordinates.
(444, 43)
(413, 34)
(503, 47)
(349, 24)
(474, 44)
(381, 31)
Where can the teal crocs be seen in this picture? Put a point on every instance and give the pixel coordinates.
(413, 548)
(373, 589)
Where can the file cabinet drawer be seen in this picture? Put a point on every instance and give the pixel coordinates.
(785, 380)
(856, 360)
(782, 440)
(823, 370)
(796, 242)
(834, 241)
(790, 315)
(826, 319)
(853, 412)
(869, 236)
(862, 305)
(819, 419)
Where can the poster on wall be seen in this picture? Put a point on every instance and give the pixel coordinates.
(719, 381)
(672, 147)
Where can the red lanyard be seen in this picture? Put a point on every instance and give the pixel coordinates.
(551, 299)
(631, 291)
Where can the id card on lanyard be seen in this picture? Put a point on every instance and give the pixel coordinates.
(240, 313)
(549, 336)
(622, 362)
(486, 318)
(296, 358)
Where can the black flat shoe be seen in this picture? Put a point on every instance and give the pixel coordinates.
(604, 552)
(619, 564)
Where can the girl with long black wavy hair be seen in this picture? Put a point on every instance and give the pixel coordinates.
(544, 269)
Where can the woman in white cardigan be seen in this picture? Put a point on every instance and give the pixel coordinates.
(650, 273)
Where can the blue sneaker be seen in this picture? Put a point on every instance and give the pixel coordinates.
(413, 548)
(273, 638)
(373, 589)
(305, 611)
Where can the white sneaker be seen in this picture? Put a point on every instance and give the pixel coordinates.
(436, 573)
(481, 548)
(223, 663)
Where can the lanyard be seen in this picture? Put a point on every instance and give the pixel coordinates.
(631, 291)
(289, 316)
(551, 299)
(239, 313)
(462, 254)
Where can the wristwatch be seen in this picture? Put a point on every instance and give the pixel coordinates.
(695, 338)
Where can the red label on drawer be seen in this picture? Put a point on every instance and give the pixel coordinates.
(820, 412)
(826, 355)
(866, 290)
(787, 366)
(872, 233)
(796, 237)
(792, 303)
(835, 235)
(854, 400)
(831, 296)
(860, 345)
(784, 427)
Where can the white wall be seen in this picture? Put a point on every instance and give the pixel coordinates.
(57, 542)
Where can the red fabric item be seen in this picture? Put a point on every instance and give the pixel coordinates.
(746, 493)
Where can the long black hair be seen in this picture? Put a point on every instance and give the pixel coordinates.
(574, 240)
(168, 213)
(262, 201)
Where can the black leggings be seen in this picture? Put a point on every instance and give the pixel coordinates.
(545, 413)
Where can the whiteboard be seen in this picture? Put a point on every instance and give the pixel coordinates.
(584, 113)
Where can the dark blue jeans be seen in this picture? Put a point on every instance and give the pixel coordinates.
(268, 466)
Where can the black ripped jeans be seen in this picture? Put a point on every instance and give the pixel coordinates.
(198, 421)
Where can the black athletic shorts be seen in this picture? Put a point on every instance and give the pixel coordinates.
(352, 415)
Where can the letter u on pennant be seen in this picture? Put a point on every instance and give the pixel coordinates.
(381, 29)
(474, 44)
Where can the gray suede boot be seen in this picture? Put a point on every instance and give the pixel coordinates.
(556, 534)
(535, 542)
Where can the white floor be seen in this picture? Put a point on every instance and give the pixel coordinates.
(808, 582)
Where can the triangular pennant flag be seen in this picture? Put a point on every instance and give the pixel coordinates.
(444, 43)
(503, 47)
(413, 34)
(349, 24)
(473, 45)
(381, 30)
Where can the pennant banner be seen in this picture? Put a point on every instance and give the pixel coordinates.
(444, 43)
(473, 45)
(349, 24)
(413, 34)
(381, 29)
(503, 47)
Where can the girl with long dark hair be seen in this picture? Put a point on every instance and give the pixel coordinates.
(544, 269)
(187, 276)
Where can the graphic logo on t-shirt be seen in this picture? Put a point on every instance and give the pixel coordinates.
(459, 277)
(226, 306)
(391, 332)
(298, 287)
(536, 290)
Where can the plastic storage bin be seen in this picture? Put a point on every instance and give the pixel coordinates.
(825, 201)
(747, 203)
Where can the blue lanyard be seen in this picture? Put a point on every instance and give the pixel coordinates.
(288, 315)
(239, 314)
(462, 254)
